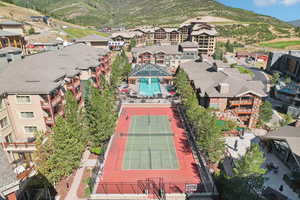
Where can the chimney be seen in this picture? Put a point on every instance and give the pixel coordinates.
(215, 67)
(297, 123)
(224, 88)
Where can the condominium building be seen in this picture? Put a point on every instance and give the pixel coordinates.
(94, 40)
(286, 62)
(13, 27)
(226, 90)
(33, 92)
(199, 32)
(170, 56)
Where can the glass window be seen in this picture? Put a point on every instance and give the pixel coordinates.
(30, 129)
(27, 115)
(23, 99)
(3, 122)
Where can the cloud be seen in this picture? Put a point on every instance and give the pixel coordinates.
(289, 2)
(267, 2)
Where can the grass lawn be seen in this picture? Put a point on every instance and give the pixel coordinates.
(243, 70)
(281, 44)
(78, 33)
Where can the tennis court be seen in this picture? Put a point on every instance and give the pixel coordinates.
(150, 144)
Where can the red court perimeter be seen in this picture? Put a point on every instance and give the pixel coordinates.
(115, 180)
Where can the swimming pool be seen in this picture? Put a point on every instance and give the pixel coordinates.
(149, 87)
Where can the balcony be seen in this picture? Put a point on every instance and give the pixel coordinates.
(45, 105)
(49, 121)
(76, 84)
(19, 146)
(241, 102)
(78, 95)
(56, 100)
(242, 111)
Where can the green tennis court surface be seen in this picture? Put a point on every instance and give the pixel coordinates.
(150, 144)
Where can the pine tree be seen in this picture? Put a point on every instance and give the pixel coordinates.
(247, 176)
(210, 138)
(266, 112)
(60, 153)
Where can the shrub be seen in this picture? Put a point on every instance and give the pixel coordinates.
(97, 150)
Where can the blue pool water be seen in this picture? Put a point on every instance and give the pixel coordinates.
(149, 88)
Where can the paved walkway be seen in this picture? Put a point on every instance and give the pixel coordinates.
(85, 162)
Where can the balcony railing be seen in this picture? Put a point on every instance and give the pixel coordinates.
(243, 111)
(49, 121)
(78, 95)
(27, 173)
(76, 83)
(45, 105)
(56, 100)
(19, 146)
(241, 102)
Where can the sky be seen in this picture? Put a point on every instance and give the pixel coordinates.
(286, 10)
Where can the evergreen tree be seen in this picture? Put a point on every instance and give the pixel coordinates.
(266, 112)
(247, 176)
(275, 78)
(210, 138)
(101, 115)
(59, 154)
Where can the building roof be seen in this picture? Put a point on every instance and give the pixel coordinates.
(204, 31)
(167, 49)
(207, 78)
(290, 134)
(10, 23)
(6, 33)
(42, 73)
(93, 38)
(149, 70)
(7, 174)
(123, 34)
(189, 44)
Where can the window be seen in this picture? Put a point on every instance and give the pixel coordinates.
(3, 122)
(23, 99)
(8, 138)
(27, 115)
(30, 129)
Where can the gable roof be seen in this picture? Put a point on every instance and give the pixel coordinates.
(168, 49)
(149, 70)
(189, 44)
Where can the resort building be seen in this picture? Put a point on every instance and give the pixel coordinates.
(199, 32)
(170, 56)
(13, 27)
(37, 47)
(205, 36)
(94, 41)
(288, 63)
(226, 90)
(33, 92)
(284, 142)
(10, 39)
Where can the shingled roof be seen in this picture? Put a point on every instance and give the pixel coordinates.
(39, 73)
(7, 175)
(207, 79)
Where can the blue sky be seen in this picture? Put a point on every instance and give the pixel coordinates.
(286, 10)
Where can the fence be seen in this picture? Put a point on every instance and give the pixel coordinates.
(148, 187)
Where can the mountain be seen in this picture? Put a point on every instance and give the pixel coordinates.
(243, 25)
(140, 12)
(295, 23)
